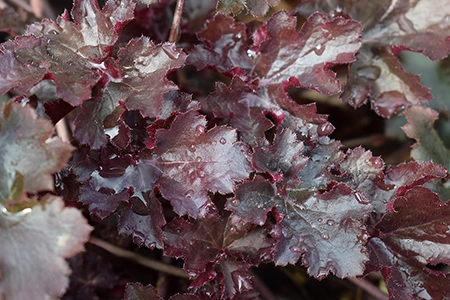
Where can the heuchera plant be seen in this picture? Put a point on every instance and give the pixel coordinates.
(225, 177)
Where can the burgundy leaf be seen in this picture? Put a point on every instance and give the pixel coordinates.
(68, 52)
(423, 27)
(93, 32)
(143, 221)
(326, 230)
(30, 153)
(246, 110)
(417, 227)
(253, 200)
(143, 65)
(35, 242)
(102, 204)
(282, 160)
(306, 56)
(196, 161)
(229, 249)
(414, 233)
(136, 291)
(405, 278)
(225, 47)
(378, 75)
(27, 59)
(256, 7)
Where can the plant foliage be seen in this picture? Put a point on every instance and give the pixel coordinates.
(225, 177)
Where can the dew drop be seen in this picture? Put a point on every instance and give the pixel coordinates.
(198, 158)
(251, 53)
(238, 35)
(319, 220)
(201, 174)
(200, 128)
(302, 207)
(223, 141)
(330, 222)
(189, 194)
(235, 202)
(325, 236)
(295, 249)
(45, 64)
(319, 49)
(276, 232)
(376, 162)
(359, 197)
(233, 229)
(325, 129)
(192, 148)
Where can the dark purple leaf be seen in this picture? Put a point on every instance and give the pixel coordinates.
(253, 200)
(27, 59)
(71, 53)
(35, 242)
(196, 160)
(225, 47)
(405, 278)
(143, 221)
(256, 7)
(306, 56)
(102, 204)
(326, 230)
(414, 233)
(282, 160)
(379, 76)
(136, 291)
(246, 110)
(144, 67)
(218, 249)
(93, 32)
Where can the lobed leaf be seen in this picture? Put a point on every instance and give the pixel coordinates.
(195, 160)
(306, 56)
(256, 8)
(30, 153)
(413, 234)
(37, 241)
(217, 250)
(71, 53)
(143, 221)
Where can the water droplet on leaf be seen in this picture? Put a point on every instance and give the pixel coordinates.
(200, 128)
(223, 141)
(192, 148)
(189, 194)
(325, 129)
(198, 159)
(319, 220)
(376, 162)
(319, 49)
(235, 202)
(330, 222)
(295, 249)
(325, 236)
